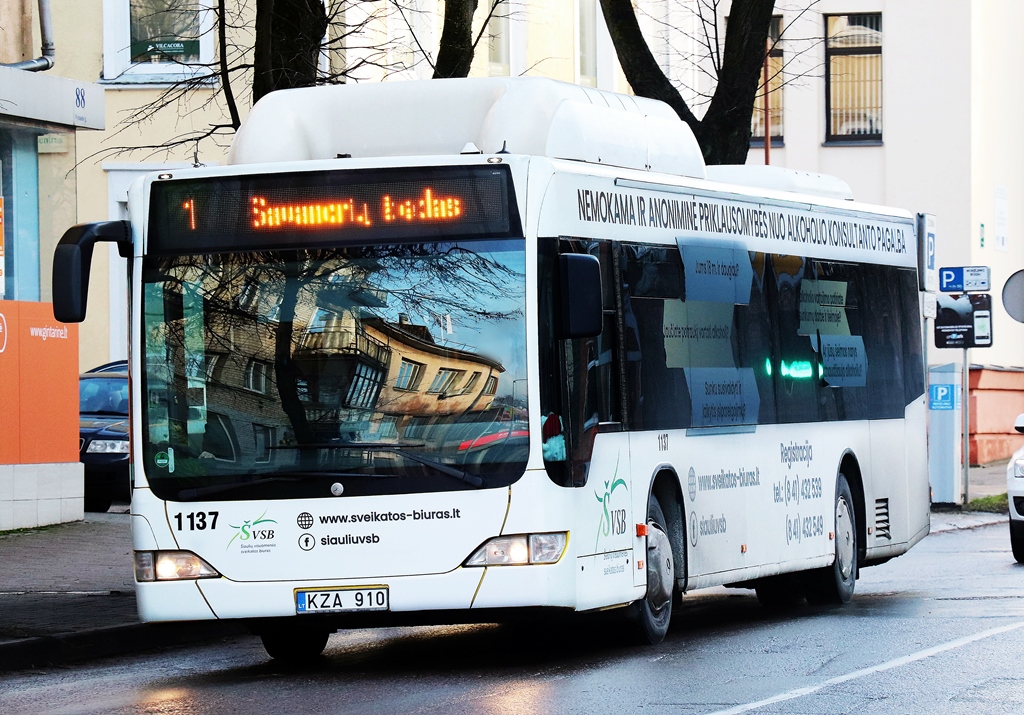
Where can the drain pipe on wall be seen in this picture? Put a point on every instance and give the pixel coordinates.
(40, 64)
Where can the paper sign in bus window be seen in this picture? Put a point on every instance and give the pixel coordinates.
(823, 308)
(698, 334)
(722, 396)
(843, 360)
(720, 272)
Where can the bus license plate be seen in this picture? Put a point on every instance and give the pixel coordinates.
(341, 600)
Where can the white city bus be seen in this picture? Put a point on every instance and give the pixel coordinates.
(474, 350)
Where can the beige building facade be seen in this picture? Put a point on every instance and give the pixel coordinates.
(910, 102)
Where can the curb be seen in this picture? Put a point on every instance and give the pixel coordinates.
(964, 520)
(112, 641)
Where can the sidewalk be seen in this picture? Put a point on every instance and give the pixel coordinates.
(67, 592)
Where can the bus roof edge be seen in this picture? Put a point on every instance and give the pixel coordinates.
(526, 115)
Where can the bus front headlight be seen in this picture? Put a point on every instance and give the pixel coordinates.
(171, 566)
(520, 550)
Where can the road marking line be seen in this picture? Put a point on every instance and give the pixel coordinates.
(888, 665)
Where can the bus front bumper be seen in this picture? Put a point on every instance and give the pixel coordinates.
(462, 595)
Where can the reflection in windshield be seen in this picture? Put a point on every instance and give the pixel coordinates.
(312, 361)
(107, 396)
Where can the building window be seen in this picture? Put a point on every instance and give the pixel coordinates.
(256, 376)
(491, 386)
(471, 383)
(775, 64)
(388, 427)
(247, 296)
(409, 374)
(498, 36)
(445, 380)
(217, 439)
(588, 42)
(264, 439)
(147, 41)
(365, 386)
(853, 77)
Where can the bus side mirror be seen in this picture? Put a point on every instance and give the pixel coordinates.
(580, 291)
(72, 260)
(1019, 424)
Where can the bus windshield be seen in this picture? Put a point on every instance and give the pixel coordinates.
(358, 370)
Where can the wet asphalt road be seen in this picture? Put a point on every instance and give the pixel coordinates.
(940, 630)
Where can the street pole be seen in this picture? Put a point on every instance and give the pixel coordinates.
(965, 410)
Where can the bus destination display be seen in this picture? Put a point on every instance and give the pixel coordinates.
(323, 208)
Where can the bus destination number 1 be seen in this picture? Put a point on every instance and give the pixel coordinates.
(197, 520)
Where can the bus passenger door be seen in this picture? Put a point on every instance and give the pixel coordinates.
(598, 452)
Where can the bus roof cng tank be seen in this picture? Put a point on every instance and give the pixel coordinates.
(521, 115)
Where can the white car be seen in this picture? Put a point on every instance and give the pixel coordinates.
(1015, 495)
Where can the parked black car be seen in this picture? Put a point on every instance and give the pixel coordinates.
(103, 433)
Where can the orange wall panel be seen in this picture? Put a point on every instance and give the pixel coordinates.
(38, 386)
(10, 393)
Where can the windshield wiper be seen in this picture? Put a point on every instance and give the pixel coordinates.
(398, 448)
(197, 492)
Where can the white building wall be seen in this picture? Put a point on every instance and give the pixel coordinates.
(950, 133)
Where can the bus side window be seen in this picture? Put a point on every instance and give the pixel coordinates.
(659, 397)
(913, 348)
(795, 363)
(754, 340)
(882, 341)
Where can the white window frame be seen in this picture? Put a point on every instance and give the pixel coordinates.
(118, 67)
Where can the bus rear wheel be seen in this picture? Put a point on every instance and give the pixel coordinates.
(835, 583)
(651, 614)
(297, 645)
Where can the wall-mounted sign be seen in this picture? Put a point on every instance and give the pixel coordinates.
(964, 321)
(964, 279)
(52, 144)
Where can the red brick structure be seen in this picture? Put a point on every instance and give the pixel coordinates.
(997, 397)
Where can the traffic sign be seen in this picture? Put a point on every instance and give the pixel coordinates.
(964, 279)
(926, 271)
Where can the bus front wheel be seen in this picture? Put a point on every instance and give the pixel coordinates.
(652, 614)
(835, 583)
(298, 645)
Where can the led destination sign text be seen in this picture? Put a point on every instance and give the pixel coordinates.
(346, 211)
(228, 213)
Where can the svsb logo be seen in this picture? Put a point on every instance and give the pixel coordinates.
(247, 531)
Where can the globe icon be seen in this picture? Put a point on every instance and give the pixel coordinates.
(305, 520)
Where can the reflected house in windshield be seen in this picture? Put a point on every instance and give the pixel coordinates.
(427, 380)
(377, 380)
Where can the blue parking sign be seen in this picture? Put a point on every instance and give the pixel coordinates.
(943, 397)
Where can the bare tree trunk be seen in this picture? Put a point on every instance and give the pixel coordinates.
(724, 132)
(289, 34)
(455, 54)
